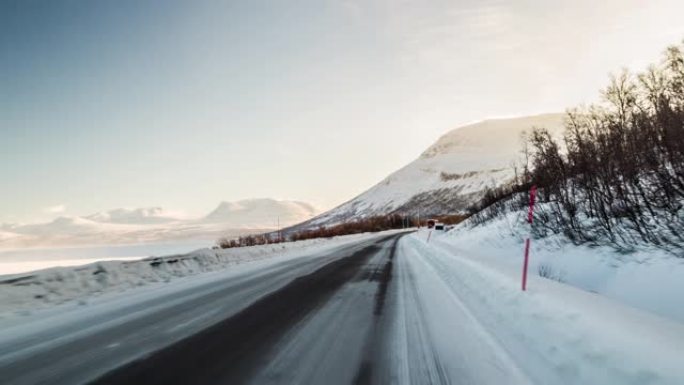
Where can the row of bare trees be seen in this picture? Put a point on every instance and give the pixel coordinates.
(249, 240)
(371, 224)
(363, 225)
(617, 175)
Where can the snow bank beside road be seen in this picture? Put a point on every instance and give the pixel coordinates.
(556, 334)
(29, 291)
(649, 278)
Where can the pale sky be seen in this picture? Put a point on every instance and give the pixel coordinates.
(183, 104)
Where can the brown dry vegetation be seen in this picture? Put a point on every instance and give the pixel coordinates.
(366, 225)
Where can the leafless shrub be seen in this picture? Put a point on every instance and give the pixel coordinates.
(617, 177)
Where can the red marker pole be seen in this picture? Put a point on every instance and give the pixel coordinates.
(530, 218)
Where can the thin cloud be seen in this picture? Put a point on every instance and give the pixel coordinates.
(58, 209)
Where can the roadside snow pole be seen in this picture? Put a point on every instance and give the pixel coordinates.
(428, 238)
(530, 218)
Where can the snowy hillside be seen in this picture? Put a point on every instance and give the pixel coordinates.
(154, 224)
(449, 175)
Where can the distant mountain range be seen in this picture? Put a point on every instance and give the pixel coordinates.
(261, 213)
(154, 224)
(151, 215)
(450, 175)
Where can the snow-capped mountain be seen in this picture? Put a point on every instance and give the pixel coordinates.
(154, 224)
(66, 231)
(451, 174)
(148, 215)
(261, 213)
(60, 226)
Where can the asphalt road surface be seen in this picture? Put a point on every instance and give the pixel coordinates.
(321, 327)
(370, 312)
(320, 321)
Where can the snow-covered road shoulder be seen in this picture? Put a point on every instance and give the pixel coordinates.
(555, 333)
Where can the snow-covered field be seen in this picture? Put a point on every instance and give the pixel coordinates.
(22, 294)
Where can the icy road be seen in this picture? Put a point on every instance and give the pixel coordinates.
(387, 309)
